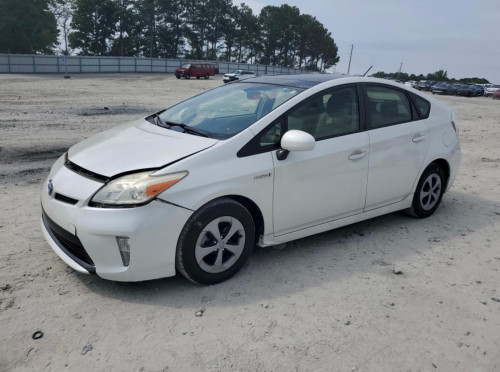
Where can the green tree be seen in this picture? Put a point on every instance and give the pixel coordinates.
(440, 75)
(27, 26)
(94, 24)
(244, 34)
(172, 28)
(63, 12)
(125, 42)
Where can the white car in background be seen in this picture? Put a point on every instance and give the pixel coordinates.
(411, 83)
(193, 188)
(238, 75)
(488, 91)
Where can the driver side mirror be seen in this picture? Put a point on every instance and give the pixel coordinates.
(295, 140)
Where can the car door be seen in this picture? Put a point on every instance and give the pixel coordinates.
(398, 145)
(328, 182)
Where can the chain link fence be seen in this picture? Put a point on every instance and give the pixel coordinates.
(44, 64)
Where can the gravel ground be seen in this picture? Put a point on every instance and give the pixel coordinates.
(329, 302)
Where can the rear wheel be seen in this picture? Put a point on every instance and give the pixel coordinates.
(215, 242)
(430, 190)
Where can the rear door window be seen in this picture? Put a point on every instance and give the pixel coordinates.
(387, 106)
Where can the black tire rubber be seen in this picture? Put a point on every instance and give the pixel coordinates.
(198, 77)
(416, 210)
(178, 76)
(185, 258)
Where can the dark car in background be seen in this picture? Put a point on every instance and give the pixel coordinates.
(442, 88)
(424, 85)
(467, 90)
(479, 89)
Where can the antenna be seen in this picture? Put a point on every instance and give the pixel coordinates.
(350, 57)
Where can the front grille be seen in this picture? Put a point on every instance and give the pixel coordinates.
(69, 243)
(65, 199)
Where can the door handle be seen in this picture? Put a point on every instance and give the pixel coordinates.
(418, 138)
(358, 155)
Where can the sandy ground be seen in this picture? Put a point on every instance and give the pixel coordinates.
(330, 302)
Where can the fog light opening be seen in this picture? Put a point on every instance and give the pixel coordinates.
(124, 247)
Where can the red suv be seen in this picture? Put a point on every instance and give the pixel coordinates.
(196, 69)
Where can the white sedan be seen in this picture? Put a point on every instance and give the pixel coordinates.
(193, 188)
(238, 75)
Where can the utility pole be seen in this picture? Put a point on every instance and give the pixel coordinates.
(399, 72)
(350, 57)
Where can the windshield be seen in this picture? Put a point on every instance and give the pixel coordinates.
(225, 111)
(237, 72)
(186, 65)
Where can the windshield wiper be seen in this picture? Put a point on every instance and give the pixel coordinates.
(158, 121)
(186, 128)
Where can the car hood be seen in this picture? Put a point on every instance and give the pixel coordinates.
(134, 146)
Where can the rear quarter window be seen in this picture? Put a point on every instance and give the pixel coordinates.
(423, 106)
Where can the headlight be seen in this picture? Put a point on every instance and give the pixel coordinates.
(134, 189)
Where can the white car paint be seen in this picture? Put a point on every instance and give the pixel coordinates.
(306, 193)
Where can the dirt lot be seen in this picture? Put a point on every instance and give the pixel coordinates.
(330, 302)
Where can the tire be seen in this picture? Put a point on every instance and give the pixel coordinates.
(430, 190)
(198, 77)
(207, 76)
(178, 76)
(215, 242)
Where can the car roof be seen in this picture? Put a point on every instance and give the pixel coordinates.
(299, 81)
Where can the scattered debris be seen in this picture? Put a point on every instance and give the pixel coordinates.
(265, 305)
(460, 343)
(6, 287)
(347, 322)
(397, 270)
(495, 299)
(200, 312)
(435, 366)
(37, 335)
(86, 349)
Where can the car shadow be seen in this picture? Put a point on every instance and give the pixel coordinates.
(362, 249)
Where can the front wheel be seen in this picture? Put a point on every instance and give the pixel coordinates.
(215, 242)
(430, 190)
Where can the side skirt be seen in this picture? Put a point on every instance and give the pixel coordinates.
(270, 239)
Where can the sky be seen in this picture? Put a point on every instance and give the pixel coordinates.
(461, 37)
